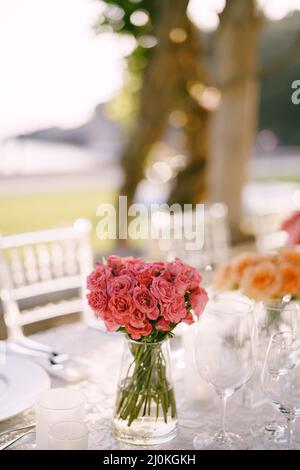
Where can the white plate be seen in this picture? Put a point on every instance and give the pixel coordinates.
(21, 380)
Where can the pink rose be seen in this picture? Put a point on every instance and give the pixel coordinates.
(181, 284)
(132, 264)
(138, 266)
(144, 277)
(198, 300)
(157, 269)
(189, 275)
(137, 319)
(163, 325)
(116, 263)
(98, 278)
(121, 307)
(192, 275)
(292, 226)
(97, 300)
(110, 323)
(189, 319)
(162, 290)
(137, 333)
(176, 310)
(182, 276)
(130, 260)
(120, 284)
(145, 302)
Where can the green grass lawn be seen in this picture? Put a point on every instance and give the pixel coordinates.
(41, 211)
(31, 212)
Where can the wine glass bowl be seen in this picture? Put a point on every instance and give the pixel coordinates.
(274, 317)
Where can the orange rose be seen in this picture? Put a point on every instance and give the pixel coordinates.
(223, 278)
(241, 263)
(262, 281)
(290, 274)
(289, 255)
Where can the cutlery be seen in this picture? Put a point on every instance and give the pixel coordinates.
(36, 346)
(53, 360)
(66, 368)
(15, 439)
(22, 428)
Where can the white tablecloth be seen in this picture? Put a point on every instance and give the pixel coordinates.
(102, 353)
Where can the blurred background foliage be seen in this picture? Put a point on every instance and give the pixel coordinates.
(276, 38)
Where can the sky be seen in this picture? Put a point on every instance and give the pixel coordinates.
(54, 70)
(53, 67)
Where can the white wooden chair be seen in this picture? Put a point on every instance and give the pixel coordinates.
(38, 264)
(266, 229)
(216, 243)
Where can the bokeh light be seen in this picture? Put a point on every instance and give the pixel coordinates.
(139, 18)
(178, 35)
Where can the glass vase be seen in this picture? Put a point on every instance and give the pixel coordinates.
(145, 409)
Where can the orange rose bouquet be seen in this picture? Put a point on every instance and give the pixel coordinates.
(262, 277)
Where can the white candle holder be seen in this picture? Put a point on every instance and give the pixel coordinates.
(54, 406)
(68, 435)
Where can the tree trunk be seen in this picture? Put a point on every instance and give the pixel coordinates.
(156, 99)
(233, 124)
(172, 67)
(190, 184)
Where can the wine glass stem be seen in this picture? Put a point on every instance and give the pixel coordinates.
(289, 431)
(223, 414)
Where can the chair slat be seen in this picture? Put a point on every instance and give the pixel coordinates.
(30, 265)
(43, 263)
(47, 287)
(70, 257)
(56, 255)
(17, 268)
(50, 311)
(43, 259)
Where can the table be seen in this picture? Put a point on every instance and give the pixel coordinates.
(102, 353)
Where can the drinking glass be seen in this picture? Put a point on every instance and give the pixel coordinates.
(68, 435)
(280, 378)
(225, 354)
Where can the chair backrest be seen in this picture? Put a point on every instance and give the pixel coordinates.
(266, 229)
(216, 242)
(38, 264)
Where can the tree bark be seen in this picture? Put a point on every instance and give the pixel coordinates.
(233, 124)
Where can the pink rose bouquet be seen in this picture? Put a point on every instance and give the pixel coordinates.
(146, 301)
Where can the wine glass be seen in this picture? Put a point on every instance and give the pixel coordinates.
(225, 354)
(273, 317)
(280, 378)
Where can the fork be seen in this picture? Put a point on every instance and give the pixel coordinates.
(36, 346)
(15, 439)
(27, 426)
(54, 361)
(32, 345)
